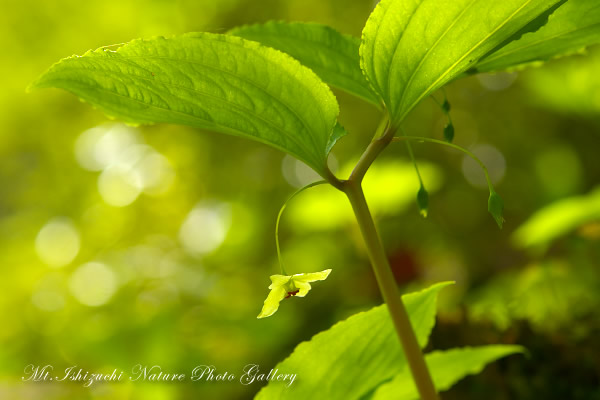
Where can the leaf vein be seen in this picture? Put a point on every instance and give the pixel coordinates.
(418, 67)
(478, 44)
(244, 110)
(249, 81)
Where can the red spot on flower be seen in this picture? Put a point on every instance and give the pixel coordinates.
(290, 294)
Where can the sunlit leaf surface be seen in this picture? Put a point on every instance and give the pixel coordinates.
(330, 54)
(572, 27)
(411, 48)
(558, 219)
(365, 341)
(215, 82)
(447, 368)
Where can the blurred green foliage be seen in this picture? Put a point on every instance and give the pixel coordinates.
(153, 245)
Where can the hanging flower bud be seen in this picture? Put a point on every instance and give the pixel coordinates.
(423, 201)
(495, 207)
(446, 106)
(449, 132)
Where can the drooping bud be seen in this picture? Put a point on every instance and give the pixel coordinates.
(423, 201)
(495, 207)
(446, 106)
(449, 132)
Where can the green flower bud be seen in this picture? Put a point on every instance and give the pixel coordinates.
(449, 132)
(446, 106)
(495, 207)
(423, 201)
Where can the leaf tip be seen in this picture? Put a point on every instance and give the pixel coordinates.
(337, 133)
(38, 83)
(32, 86)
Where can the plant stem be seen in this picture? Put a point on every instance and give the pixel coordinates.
(454, 146)
(296, 193)
(370, 154)
(388, 287)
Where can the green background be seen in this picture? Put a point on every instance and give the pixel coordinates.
(154, 245)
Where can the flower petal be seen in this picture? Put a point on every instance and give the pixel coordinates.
(303, 288)
(279, 280)
(272, 301)
(311, 277)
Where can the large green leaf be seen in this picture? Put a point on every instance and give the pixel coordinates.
(412, 47)
(331, 55)
(446, 368)
(355, 356)
(217, 82)
(551, 296)
(574, 26)
(557, 219)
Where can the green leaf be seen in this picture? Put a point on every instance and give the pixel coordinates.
(412, 47)
(553, 295)
(447, 368)
(557, 219)
(338, 132)
(216, 82)
(330, 54)
(332, 364)
(574, 26)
